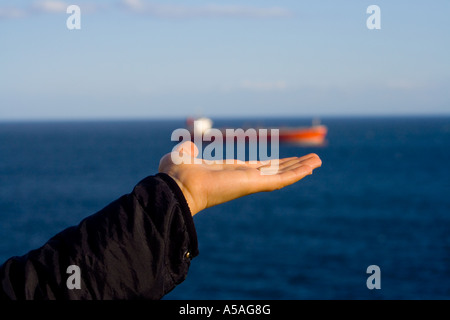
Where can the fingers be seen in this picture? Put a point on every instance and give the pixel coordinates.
(294, 174)
(311, 160)
(262, 163)
(297, 171)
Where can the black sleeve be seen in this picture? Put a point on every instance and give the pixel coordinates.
(138, 247)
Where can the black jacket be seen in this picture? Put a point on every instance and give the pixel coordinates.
(138, 247)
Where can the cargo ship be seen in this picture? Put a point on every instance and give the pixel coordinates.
(313, 135)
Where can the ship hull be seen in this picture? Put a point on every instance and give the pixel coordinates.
(313, 135)
(305, 136)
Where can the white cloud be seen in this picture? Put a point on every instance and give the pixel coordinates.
(213, 10)
(45, 6)
(153, 9)
(133, 4)
(50, 6)
(12, 13)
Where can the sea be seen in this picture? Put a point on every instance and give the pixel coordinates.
(376, 212)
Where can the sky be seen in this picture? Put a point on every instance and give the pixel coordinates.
(140, 59)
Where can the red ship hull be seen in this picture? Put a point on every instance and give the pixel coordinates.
(313, 135)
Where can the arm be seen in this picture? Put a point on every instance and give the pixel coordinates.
(139, 246)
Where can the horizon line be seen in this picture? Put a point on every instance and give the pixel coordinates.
(244, 117)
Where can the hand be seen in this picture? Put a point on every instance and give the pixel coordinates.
(207, 184)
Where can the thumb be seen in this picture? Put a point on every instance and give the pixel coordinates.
(187, 147)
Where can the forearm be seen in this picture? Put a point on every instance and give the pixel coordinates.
(133, 248)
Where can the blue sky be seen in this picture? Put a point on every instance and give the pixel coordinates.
(173, 59)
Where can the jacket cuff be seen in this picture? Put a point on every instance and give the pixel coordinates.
(188, 219)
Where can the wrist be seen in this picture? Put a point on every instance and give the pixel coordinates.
(187, 196)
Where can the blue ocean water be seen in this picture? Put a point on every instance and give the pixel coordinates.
(380, 198)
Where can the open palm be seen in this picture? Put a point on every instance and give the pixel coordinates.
(207, 184)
